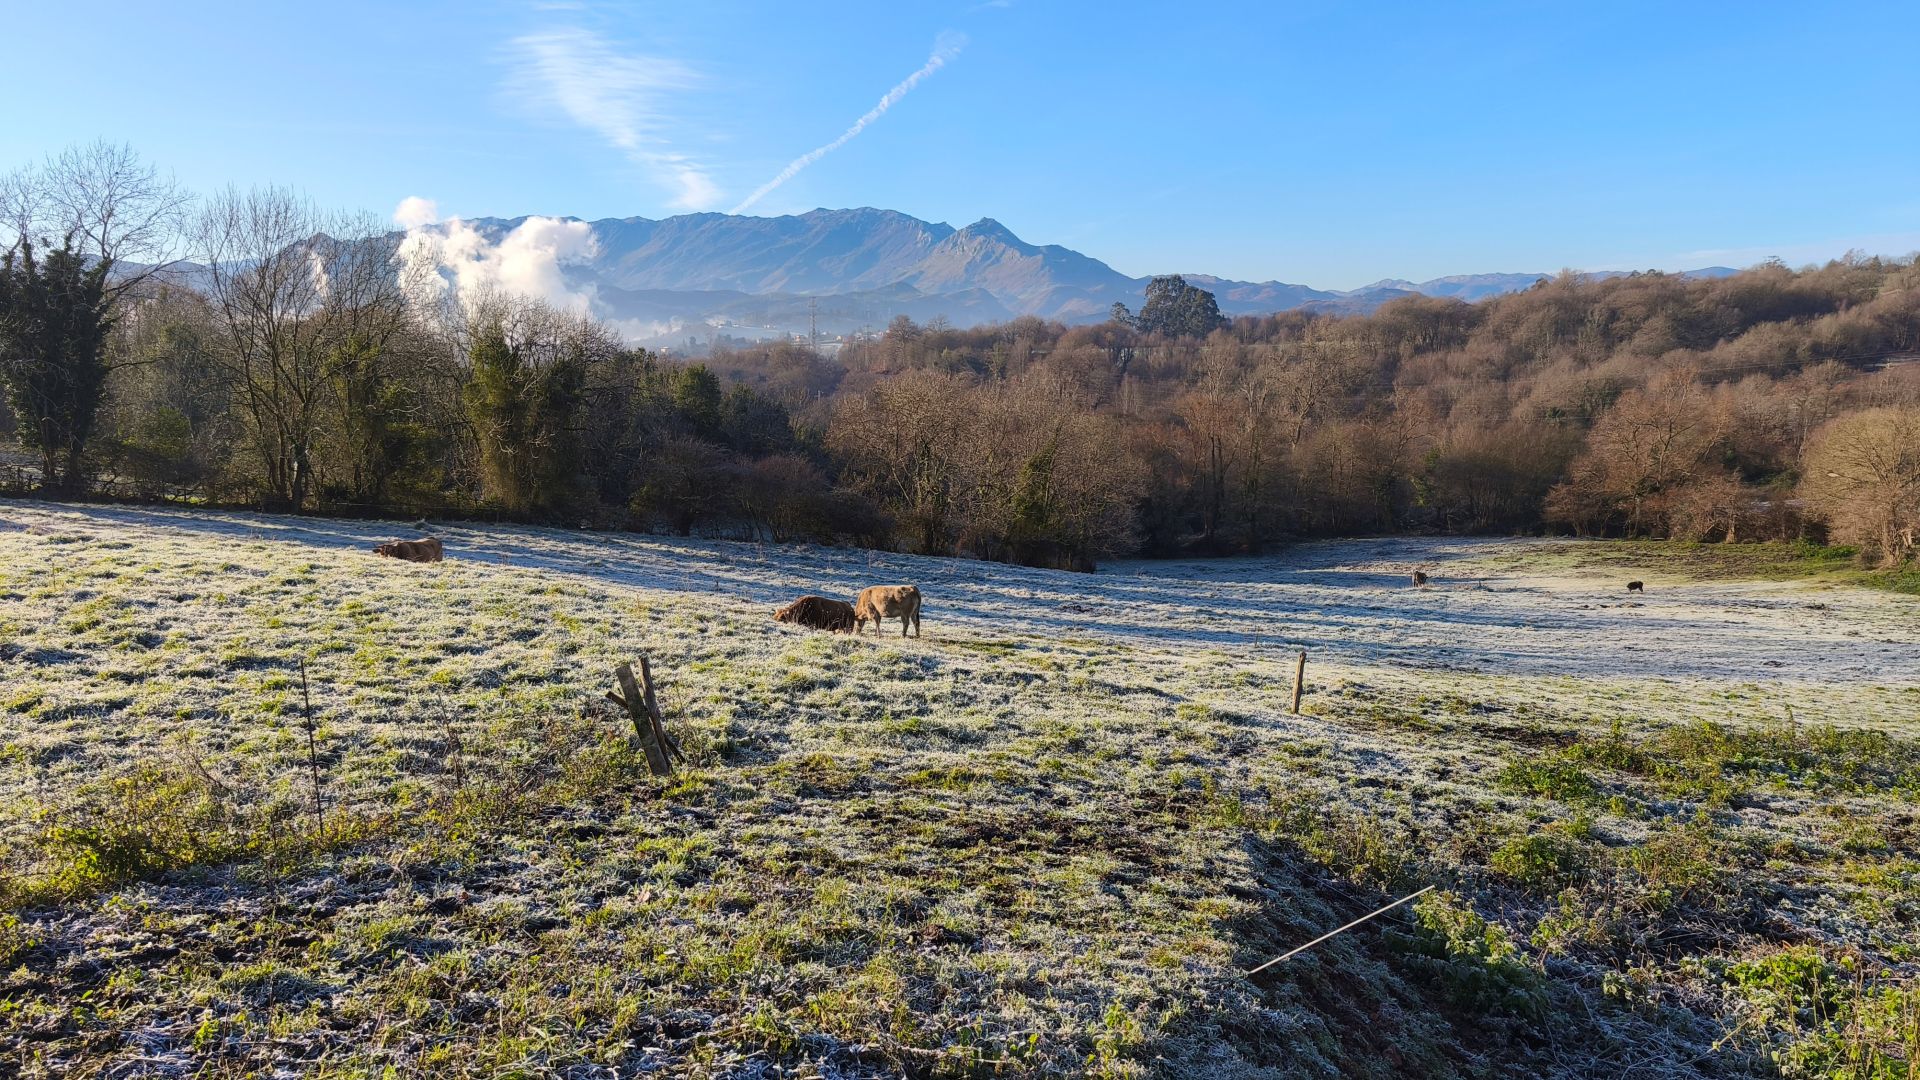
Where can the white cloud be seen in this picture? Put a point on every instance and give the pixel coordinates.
(944, 50)
(414, 212)
(617, 96)
(455, 260)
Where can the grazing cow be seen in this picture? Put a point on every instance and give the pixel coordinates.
(817, 613)
(886, 602)
(1636, 586)
(427, 550)
(1419, 577)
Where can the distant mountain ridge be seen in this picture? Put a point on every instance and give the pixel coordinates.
(694, 274)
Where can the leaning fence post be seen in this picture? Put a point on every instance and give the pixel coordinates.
(635, 703)
(1299, 680)
(653, 712)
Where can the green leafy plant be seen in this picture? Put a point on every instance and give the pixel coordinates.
(1475, 962)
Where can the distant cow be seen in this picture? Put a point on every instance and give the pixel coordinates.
(887, 602)
(1419, 577)
(427, 550)
(1636, 586)
(817, 613)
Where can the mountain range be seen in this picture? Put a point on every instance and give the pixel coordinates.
(698, 275)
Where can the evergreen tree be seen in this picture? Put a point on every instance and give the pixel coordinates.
(1033, 527)
(386, 451)
(697, 398)
(1177, 309)
(54, 320)
(524, 414)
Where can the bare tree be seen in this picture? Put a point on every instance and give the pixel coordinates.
(1716, 504)
(1649, 445)
(297, 294)
(21, 204)
(900, 444)
(116, 207)
(168, 416)
(1863, 472)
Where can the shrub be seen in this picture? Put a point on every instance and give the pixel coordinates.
(15, 940)
(1686, 866)
(137, 827)
(1613, 752)
(1543, 862)
(1552, 778)
(1474, 962)
(1823, 1019)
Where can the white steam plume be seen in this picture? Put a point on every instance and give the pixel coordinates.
(453, 260)
(414, 212)
(945, 49)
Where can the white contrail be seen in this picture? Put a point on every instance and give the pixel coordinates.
(944, 50)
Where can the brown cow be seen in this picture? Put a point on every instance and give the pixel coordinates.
(1419, 577)
(1636, 586)
(817, 613)
(428, 550)
(886, 602)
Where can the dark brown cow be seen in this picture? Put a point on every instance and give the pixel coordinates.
(888, 602)
(817, 613)
(1419, 577)
(1636, 586)
(428, 550)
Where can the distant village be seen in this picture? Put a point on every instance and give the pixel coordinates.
(725, 336)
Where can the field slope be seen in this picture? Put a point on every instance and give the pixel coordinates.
(1671, 834)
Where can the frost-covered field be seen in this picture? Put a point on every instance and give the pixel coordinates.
(1043, 838)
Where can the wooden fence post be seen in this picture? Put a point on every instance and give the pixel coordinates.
(1299, 680)
(631, 698)
(653, 711)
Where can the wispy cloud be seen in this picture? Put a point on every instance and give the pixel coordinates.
(616, 95)
(1796, 254)
(944, 50)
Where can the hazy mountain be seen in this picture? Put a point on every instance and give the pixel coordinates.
(1053, 281)
(843, 270)
(1467, 287)
(1471, 287)
(1258, 298)
(824, 251)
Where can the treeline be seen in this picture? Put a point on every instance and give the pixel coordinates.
(1772, 404)
(245, 395)
(297, 364)
(293, 361)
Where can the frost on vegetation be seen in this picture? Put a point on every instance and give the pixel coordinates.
(1045, 838)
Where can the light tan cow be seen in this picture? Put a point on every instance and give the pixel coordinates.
(428, 550)
(886, 602)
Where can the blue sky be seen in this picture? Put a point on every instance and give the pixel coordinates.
(1325, 143)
